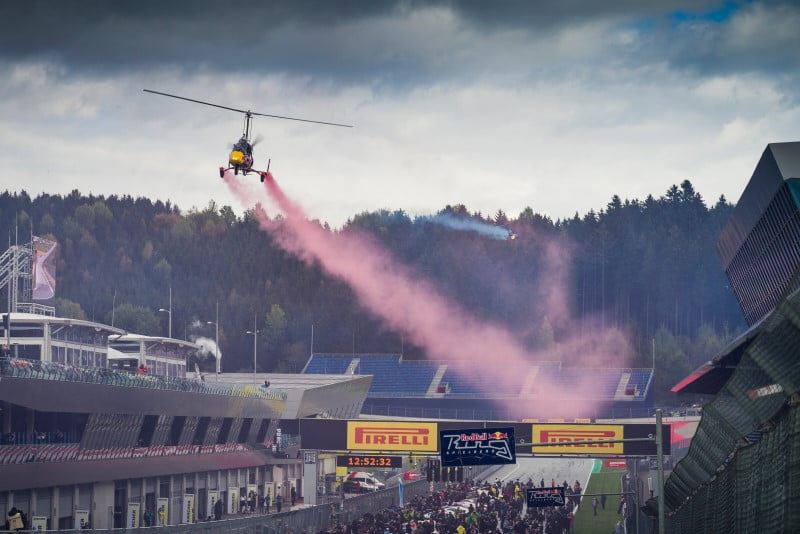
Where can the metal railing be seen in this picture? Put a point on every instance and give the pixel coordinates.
(34, 369)
(380, 500)
(469, 414)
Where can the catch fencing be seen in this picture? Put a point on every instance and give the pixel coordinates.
(311, 519)
(742, 471)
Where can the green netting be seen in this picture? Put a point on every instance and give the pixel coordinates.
(742, 471)
(757, 490)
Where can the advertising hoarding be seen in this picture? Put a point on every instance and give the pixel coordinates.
(132, 517)
(213, 497)
(566, 433)
(391, 436)
(44, 270)
(543, 497)
(81, 519)
(162, 511)
(477, 446)
(187, 514)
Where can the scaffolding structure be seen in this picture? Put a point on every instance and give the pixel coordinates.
(16, 280)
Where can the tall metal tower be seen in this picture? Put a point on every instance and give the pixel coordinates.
(16, 276)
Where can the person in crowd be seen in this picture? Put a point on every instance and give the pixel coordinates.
(279, 502)
(594, 505)
(16, 520)
(218, 510)
(293, 495)
(498, 508)
(252, 500)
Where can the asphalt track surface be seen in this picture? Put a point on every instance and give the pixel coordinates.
(560, 469)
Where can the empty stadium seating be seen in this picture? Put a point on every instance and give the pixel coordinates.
(328, 364)
(477, 384)
(640, 380)
(407, 378)
(395, 377)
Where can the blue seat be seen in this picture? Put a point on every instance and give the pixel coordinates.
(328, 364)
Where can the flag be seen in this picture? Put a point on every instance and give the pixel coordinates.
(400, 491)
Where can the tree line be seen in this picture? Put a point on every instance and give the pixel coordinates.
(646, 267)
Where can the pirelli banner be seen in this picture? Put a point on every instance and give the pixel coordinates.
(423, 436)
(566, 433)
(377, 436)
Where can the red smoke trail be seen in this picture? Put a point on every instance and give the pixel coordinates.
(484, 353)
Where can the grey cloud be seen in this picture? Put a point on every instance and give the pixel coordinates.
(394, 43)
(287, 36)
(548, 13)
(759, 37)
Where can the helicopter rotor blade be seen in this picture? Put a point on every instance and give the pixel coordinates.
(301, 120)
(193, 100)
(246, 112)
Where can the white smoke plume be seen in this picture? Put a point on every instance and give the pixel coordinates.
(469, 224)
(208, 348)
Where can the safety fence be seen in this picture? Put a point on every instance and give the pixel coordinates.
(742, 471)
(311, 519)
(387, 498)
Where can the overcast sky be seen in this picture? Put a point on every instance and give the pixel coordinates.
(556, 105)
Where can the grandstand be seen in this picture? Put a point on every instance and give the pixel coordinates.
(435, 389)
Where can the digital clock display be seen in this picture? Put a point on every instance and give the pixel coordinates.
(369, 460)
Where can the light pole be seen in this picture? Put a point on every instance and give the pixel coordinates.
(169, 311)
(216, 341)
(254, 331)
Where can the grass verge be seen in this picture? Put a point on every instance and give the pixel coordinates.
(604, 481)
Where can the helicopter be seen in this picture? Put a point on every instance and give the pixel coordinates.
(241, 154)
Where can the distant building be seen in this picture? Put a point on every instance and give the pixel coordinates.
(160, 356)
(760, 245)
(101, 427)
(57, 339)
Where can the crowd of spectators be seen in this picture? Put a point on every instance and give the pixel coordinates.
(468, 508)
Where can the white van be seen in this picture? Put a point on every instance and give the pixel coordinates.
(365, 479)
